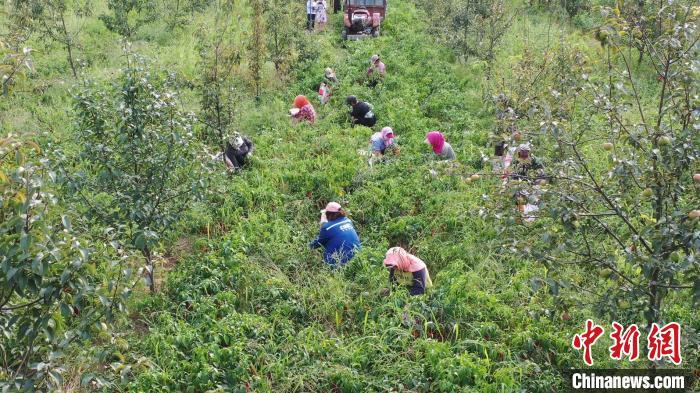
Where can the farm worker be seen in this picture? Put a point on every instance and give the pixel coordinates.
(440, 146)
(503, 156)
(324, 93)
(337, 236)
(527, 204)
(238, 149)
(361, 112)
(376, 65)
(330, 75)
(303, 110)
(321, 14)
(381, 141)
(503, 108)
(376, 70)
(499, 152)
(411, 270)
(526, 166)
(310, 14)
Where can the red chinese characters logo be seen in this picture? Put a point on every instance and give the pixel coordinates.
(662, 342)
(665, 342)
(625, 342)
(587, 339)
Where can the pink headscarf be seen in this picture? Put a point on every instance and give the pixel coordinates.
(436, 140)
(387, 130)
(402, 260)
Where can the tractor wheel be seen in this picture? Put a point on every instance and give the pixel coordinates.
(344, 34)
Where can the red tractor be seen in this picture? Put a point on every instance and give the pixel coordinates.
(363, 18)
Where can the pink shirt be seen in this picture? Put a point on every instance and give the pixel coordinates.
(402, 260)
(377, 66)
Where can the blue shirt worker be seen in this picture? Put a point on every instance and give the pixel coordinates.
(382, 140)
(337, 236)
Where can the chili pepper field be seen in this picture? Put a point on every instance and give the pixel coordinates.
(132, 259)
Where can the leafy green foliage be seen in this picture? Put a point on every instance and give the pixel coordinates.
(282, 20)
(15, 65)
(50, 18)
(178, 13)
(139, 156)
(127, 16)
(622, 215)
(220, 55)
(573, 7)
(256, 45)
(471, 28)
(50, 296)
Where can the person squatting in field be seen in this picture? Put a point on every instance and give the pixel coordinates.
(503, 158)
(324, 93)
(440, 147)
(337, 236)
(407, 269)
(238, 150)
(303, 110)
(325, 90)
(376, 70)
(329, 74)
(361, 112)
(527, 167)
(381, 141)
(376, 66)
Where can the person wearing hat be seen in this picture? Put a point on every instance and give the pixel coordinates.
(376, 70)
(325, 90)
(382, 140)
(330, 76)
(531, 170)
(238, 149)
(303, 110)
(440, 147)
(407, 269)
(527, 167)
(337, 236)
(361, 112)
(376, 66)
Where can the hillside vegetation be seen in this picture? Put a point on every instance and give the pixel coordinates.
(241, 303)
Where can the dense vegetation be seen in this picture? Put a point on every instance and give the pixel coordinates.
(110, 115)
